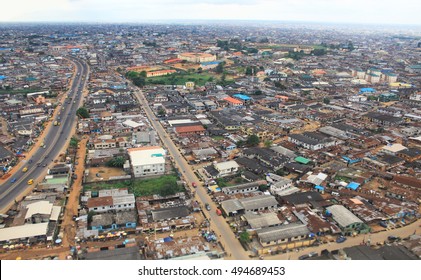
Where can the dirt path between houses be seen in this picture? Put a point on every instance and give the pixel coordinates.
(68, 226)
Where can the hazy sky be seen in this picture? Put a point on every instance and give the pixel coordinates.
(353, 11)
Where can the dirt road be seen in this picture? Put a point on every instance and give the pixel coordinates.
(68, 226)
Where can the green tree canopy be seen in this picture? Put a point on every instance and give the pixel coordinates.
(83, 113)
(74, 142)
(245, 237)
(220, 68)
(253, 140)
(116, 162)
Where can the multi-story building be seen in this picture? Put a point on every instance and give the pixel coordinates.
(146, 161)
(197, 57)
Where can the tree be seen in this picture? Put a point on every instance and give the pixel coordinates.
(116, 162)
(74, 142)
(220, 68)
(161, 112)
(90, 215)
(143, 74)
(280, 172)
(279, 85)
(240, 143)
(326, 100)
(319, 52)
(263, 188)
(253, 140)
(139, 81)
(245, 237)
(268, 143)
(221, 182)
(249, 71)
(83, 113)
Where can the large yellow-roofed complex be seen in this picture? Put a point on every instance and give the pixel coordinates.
(197, 57)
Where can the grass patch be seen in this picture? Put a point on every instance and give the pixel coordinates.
(20, 91)
(181, 79)
(218, 138)
(164, 185)
(223, 182)
(342, 178)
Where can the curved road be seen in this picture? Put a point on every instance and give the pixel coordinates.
(228, 240)
(55, 141)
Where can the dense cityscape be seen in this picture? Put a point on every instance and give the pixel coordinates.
(206, 140)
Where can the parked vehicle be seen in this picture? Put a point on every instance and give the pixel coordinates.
(218, 212)
(304, 257)
(207, 206)
(393, 238)
(309, 255)
(340, 239)
(194, 185)
(383, 224)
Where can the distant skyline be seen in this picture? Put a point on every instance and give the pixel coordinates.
(108, 11)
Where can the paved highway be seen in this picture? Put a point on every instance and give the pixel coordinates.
(218, 224)
(55, 140)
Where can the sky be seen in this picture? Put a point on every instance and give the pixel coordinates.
(330, 11)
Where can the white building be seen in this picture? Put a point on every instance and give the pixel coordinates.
(357, 98)
(416, 96)
(111, 203)
(146, 161)
(226, 168)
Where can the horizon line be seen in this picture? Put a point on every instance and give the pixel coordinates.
(172, 21)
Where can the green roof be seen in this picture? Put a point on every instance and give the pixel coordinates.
(302, 160)
(56, 181)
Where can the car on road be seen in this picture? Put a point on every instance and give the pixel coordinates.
(25, 169)
(309, 255)
(44, 165)
(207, 206)
(13, 180)
(194, 185)
(393, 238)
(30, 181)
(340, 239)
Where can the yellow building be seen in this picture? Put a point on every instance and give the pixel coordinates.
(190, 85)
(197, 57)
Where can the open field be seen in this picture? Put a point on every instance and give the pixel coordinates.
(181, 79)
(163, 185)
(104, 173)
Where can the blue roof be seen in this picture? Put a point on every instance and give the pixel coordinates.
(354, 186)
(210, 63)
(367, 90)
(242, 96)
(168, 239)
(320, 188)
(2, 77)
